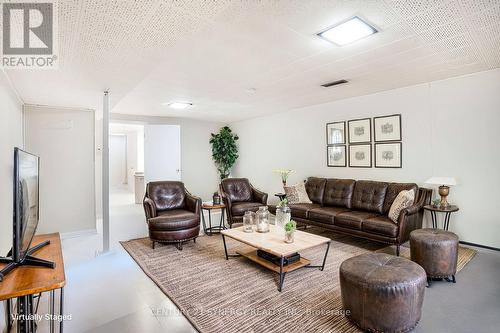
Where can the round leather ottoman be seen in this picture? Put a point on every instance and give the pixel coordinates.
(382, 292)
(436, 251)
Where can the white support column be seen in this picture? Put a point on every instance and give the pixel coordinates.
(105, 173)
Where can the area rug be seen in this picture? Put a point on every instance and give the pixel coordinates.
(236, 295)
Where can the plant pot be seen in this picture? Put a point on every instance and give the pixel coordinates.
(289, 237)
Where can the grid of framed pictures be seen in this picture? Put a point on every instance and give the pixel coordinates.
(352, 144)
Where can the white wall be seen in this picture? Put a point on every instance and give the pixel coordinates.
(118, 160)
(450, 128)
(64, 140)
(198, 171)
(10, 136)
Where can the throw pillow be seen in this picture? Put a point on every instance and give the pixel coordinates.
(296, 194)
(404, 200)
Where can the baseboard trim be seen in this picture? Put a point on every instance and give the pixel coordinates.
(79, 233)
(481, 246)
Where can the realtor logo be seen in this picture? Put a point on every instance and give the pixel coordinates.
(28, 35)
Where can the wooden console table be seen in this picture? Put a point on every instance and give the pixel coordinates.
(25, 282)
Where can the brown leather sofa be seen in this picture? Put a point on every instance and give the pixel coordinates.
(172, 213)
(360, 208)
(240, 196)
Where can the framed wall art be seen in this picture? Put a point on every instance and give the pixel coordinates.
(388, 155)
(360, 156)
(335, 133)
(387, 128)
(360, 130)
(336, 156)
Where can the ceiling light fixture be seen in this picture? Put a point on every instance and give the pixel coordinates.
(347, 31)
(179, 105)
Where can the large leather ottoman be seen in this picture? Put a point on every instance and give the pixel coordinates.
(382, 292)
(436, 251)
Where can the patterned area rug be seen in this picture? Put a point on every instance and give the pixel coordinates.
(239, 296)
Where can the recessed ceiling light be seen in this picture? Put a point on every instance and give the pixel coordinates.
(348, 31)
(179, 105)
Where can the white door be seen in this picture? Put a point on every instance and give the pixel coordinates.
(162, 152)
(117, 160)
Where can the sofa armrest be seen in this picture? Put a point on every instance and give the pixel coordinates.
(149, 208)
(411, 218)
(259, 196)
(193, 203)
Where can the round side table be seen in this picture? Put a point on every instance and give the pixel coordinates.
(447, 214)
(215, 229)
(281, 196)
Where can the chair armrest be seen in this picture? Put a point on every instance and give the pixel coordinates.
(193, 203)
(149, 208)
(259, 196)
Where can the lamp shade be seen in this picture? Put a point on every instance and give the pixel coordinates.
(448, 181)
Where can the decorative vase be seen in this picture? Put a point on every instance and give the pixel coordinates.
(262, 219)
(289, 236)
(284, 183)
(248, 221)
(216, 198)
(283, 216)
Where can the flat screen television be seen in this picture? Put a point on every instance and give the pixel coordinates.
(26, 213)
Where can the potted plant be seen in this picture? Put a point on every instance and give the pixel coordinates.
(290, 228)
(224, 151)
(284, 173)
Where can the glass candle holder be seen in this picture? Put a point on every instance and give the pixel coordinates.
(262, 219)
(248, 222)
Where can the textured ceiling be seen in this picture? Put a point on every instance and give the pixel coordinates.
(211, 53)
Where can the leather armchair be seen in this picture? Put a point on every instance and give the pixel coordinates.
(172, 213)
(240, 196)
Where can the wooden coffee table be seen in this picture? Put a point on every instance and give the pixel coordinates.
(273, 242)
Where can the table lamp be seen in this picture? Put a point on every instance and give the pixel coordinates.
(444, 188)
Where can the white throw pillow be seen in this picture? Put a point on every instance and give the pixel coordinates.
(296, 194)
(404, 200)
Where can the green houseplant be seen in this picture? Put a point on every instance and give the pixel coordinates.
(290, 228)
(224, 150)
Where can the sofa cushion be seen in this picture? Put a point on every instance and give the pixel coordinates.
(369, 196)
(325, 214)
(296, 194)
(392, 192)
(338, 192)
(352, 219)
(404, 200)
(381, 225)
(315, 188)
(166, 195)
(239, 208)
(175, 219)
(300, 210)
(237, 189)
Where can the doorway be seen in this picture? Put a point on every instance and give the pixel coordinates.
(138, 153)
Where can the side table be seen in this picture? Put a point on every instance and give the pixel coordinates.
(281, 196)
(447, 214)
(215, 229)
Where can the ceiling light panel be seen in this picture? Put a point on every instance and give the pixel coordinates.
(348, 32)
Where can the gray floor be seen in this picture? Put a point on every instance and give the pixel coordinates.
(110, 293)
(470, 305)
